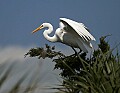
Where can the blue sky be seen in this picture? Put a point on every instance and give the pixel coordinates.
(19, 17)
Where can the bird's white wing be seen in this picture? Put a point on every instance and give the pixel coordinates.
(79, 28)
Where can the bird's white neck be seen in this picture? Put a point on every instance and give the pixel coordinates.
(48, 31)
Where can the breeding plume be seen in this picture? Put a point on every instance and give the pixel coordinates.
(71, 33)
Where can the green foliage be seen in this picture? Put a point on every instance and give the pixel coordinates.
(98, 74)
(47, 52)
(5, 74)
(4, 77)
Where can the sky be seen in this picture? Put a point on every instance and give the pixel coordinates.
(18, 18)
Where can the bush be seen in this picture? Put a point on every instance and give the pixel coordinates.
(98, 74)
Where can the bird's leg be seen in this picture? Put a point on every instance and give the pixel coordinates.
(80, 51)
(74, 51)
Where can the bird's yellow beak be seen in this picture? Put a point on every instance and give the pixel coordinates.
(40, 27)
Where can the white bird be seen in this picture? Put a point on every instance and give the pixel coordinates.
(70, 33)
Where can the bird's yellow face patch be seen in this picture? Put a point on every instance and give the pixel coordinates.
(37, 29)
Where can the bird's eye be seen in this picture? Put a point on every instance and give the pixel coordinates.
(41, 26)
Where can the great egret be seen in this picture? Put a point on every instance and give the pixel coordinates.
(70, 33)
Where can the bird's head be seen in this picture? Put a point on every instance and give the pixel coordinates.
(42, 26)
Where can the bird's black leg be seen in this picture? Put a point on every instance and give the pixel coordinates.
(80, 51)
(74, 51)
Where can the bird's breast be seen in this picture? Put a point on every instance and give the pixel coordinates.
(69, 39)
